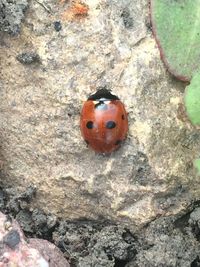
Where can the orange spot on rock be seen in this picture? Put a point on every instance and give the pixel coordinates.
(80, 9)
(77, 9)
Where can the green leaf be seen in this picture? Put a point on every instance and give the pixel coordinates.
(176, 26)
(197, 165)
(192, 99)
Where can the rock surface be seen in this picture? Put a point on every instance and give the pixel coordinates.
(50, 252)
(171, 241)
(152, 173)
(11, 15)
(89, 243)
(168, 242)
(16, 251)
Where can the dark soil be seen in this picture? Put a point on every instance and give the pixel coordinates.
(167, 241)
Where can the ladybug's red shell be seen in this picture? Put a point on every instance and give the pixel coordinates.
(104, 122)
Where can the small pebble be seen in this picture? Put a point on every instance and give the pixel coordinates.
(28, 58)
(8, 225)
(57, 26)
(12, 239)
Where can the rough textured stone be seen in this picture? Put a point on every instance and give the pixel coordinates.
(50, 252)
(11, 15)
(12, 239)
(152, 173)
(171, 241)
(16, 251)
(166, 245)
(89, 243)
(194, 223)
(28, 58)
(166, 242)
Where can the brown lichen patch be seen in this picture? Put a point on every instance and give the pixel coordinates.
(76, 10)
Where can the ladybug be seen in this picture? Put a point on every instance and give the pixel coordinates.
(104, 122)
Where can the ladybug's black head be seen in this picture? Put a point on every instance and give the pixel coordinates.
(103, 94)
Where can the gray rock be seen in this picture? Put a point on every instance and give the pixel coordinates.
(12, 239)
(194, 222)
(165, 245)
(11, 15)
(28, 58)
(90, 244)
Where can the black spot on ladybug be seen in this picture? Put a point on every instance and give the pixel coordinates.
(89, 124)
(110, 125)
(87, 142)
(118, 142)
(123, 117)
(101, 106)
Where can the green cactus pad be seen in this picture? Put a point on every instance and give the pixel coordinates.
(176, 26)
(197, 165)
(192, 99)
